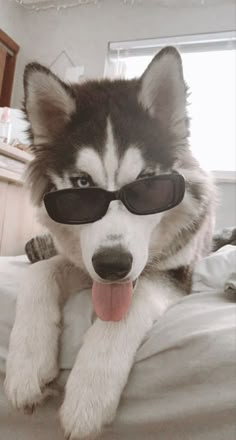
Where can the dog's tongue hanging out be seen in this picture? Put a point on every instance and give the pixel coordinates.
(111, 301)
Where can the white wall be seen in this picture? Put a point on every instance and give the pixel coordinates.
(11, 19)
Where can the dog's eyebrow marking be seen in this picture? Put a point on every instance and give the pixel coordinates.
(131, 166)
(61, 182)
(90, 162)
(110, 158)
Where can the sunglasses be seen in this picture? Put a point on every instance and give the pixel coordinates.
(150, 195)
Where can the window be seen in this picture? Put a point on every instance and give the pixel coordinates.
(209, 63)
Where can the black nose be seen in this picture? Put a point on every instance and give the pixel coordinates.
(112, 263)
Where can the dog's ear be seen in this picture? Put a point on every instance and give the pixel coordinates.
(163, 90)
(48, 104)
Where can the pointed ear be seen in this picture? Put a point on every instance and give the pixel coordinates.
(48, 104)
(163, 90)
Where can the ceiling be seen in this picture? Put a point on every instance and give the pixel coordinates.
(45, 4)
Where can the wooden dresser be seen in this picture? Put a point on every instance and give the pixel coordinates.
(17, 215)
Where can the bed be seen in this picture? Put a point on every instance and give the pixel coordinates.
(183, 383)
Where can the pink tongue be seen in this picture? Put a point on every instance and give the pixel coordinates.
(111, 301)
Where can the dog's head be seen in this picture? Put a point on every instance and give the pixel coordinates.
(108, 134)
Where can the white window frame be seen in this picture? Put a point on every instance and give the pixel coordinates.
(120, 50)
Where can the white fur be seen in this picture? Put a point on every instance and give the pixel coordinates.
(103, 364)
(118, 221)
(30, 366)
(33, 351)
(61, 182)
(131, 166)
(90, 162)
(110, 159)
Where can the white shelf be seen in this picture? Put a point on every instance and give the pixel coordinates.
(11, 176)
(8, 173)
(15, 153)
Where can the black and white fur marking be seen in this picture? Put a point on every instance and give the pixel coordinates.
(111, 132)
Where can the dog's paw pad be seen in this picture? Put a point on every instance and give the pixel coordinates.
(29, 409)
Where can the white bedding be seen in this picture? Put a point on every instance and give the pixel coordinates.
(183, 384)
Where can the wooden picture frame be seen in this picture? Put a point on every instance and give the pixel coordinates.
(8, 54)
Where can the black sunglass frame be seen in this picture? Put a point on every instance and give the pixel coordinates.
(179, 190)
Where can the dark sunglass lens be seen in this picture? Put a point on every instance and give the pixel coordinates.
(155, 194)
(76, 206)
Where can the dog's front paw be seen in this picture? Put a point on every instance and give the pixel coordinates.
(31, 366)
(26, 386)
(91, 399)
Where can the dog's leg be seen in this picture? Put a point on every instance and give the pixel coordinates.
(104, 362)
(33, 349)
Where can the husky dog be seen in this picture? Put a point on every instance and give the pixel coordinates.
(102, 138)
